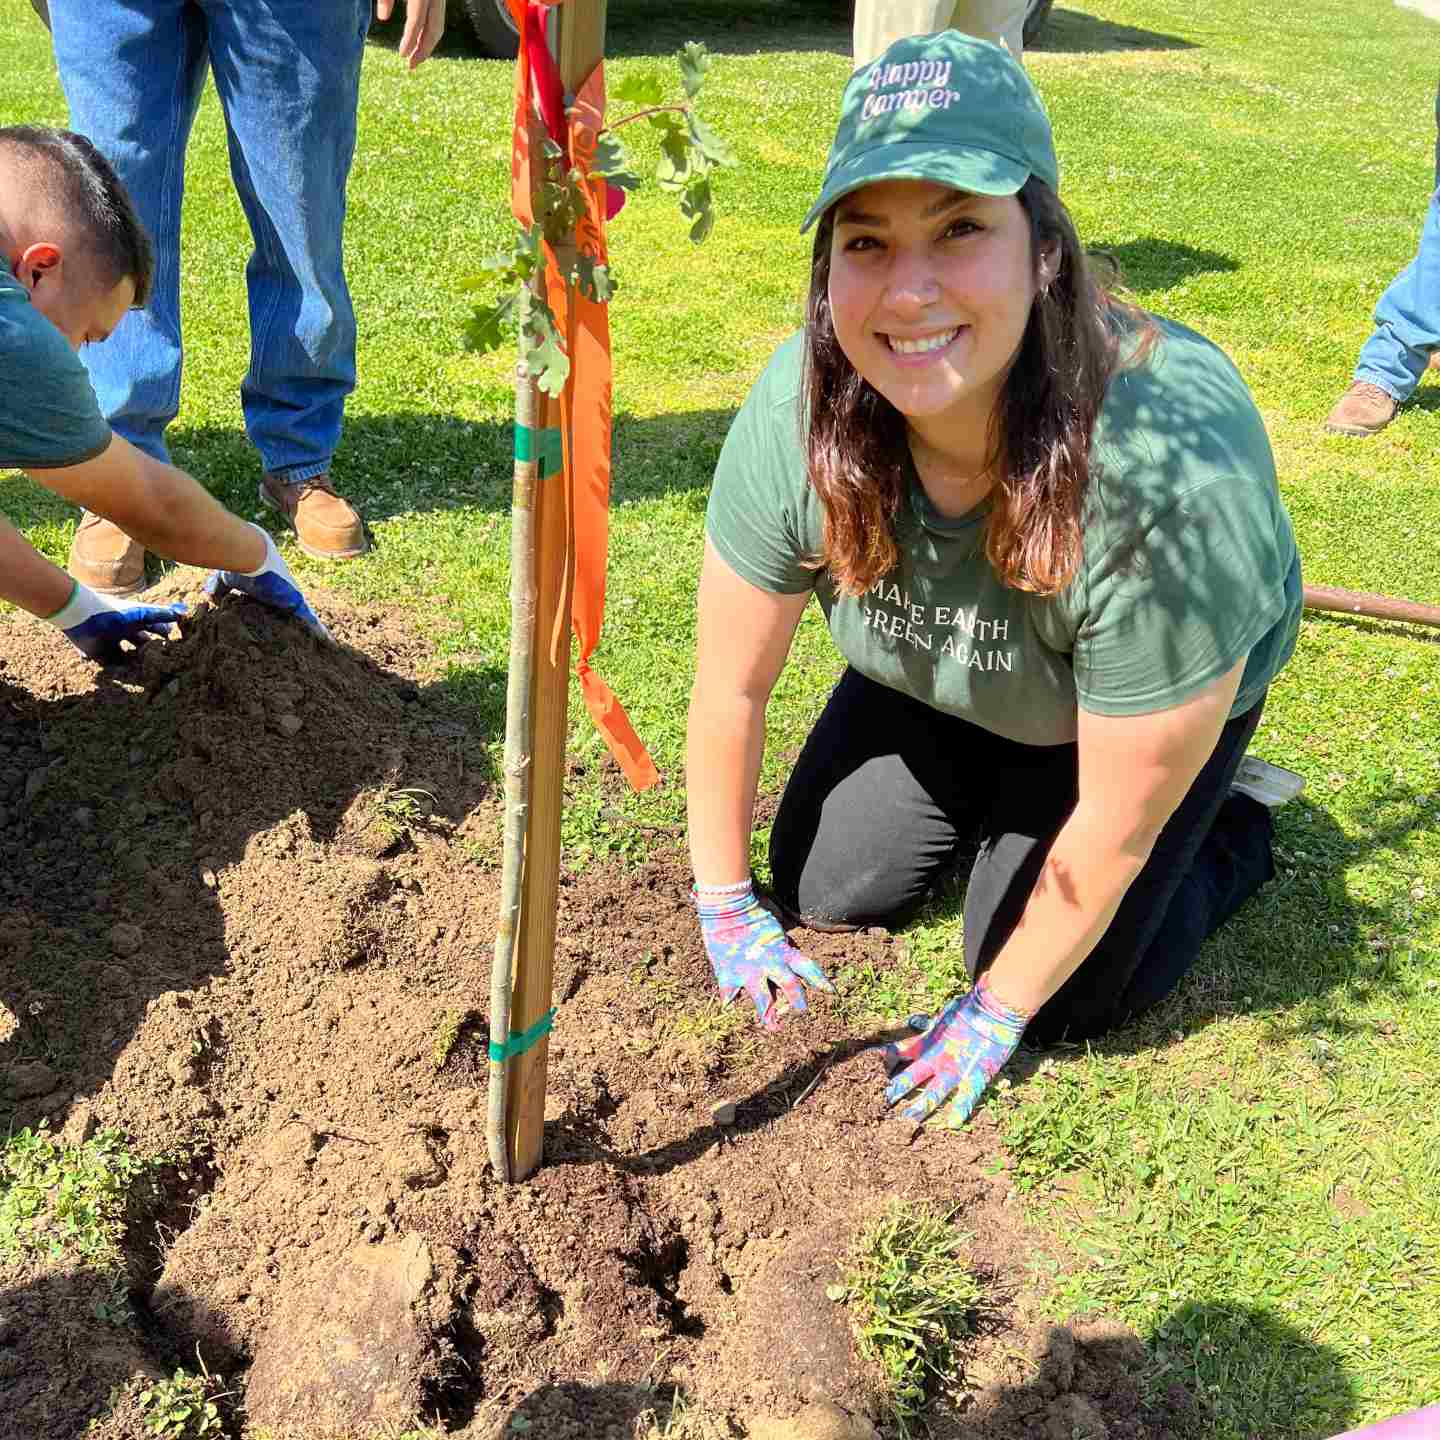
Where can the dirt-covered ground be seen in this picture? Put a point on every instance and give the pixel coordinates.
(245, 884)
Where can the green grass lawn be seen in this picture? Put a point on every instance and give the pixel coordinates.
(1249, 1177)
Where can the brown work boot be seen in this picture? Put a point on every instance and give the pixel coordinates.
(1362, 410)
(105, 558)
(326, 526)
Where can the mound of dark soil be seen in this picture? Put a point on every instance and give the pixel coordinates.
(243, 915)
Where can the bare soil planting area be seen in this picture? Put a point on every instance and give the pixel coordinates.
(247, 899)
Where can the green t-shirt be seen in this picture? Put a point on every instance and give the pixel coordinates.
(1189, 559)
(49, 417)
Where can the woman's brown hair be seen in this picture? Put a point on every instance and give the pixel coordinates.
(856, 442)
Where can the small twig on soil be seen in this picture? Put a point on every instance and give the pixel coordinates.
(819, 1075)
(609, 813)
(326, 1134)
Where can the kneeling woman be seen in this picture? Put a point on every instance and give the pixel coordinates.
(1045, 531)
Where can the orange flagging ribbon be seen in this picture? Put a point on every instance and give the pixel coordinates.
(585, 405)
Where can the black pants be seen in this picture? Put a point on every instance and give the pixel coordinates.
(889, 793)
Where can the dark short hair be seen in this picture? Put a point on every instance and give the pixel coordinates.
(76, 178)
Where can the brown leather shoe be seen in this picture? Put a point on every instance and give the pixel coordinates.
(326, 527)
(1362, 410)
(105, 558)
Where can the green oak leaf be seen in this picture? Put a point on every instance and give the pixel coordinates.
(708, 143)
(545, 360)
(612, 163)
(694, 62)
(695, 206)
(677, 160)
(593, 281)
(638, 90)
(541, 349)
(486, 328)
(527, 257)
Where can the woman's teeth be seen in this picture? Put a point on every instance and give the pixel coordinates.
(919, 347)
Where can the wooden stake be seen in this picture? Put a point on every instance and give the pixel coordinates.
(579, 45)
(1363, 602)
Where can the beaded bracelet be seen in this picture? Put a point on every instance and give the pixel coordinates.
(737, 888)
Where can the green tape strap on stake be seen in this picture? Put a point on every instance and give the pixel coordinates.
(519, 1044)
(542, 445)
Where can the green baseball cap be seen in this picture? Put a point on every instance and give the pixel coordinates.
(945, 107)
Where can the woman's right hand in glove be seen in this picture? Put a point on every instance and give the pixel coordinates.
(748, 951)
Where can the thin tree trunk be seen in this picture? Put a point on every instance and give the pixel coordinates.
(519, 748)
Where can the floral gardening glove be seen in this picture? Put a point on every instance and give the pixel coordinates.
(748, 951)
(948, 1066)
(96, 624)
(272, 584)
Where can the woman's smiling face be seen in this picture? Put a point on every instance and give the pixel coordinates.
(930, 293)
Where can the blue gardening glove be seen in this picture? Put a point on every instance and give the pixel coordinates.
(748, 951)
(948, 1066)
(272, 584)
(96, 624)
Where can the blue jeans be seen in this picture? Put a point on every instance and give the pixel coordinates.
(287, 73)
(1407, 318)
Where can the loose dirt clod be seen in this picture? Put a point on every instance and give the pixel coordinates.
(360, 1342)
(823, 1420)
(330, 1235)
(126, 939)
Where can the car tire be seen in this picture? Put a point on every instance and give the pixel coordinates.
(1037, 12)
(494, 32)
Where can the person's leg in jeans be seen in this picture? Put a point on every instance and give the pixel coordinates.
(1211, 856)
(288, 77)
(882, 796)
(132, 75)
(1406, 337)
(1407, 318)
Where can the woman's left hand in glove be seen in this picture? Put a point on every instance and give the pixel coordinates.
(945, 1070)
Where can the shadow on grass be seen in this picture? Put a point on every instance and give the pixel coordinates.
(1368, 625)
(402, 464)
(1305, 945)
(1225, 1350)
(724, 27)
(1101, 1366)
(1076, 33)
(1158, 264)
(1426, 398)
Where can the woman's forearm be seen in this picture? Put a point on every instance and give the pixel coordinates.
(726, 740)
(1086, 875)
